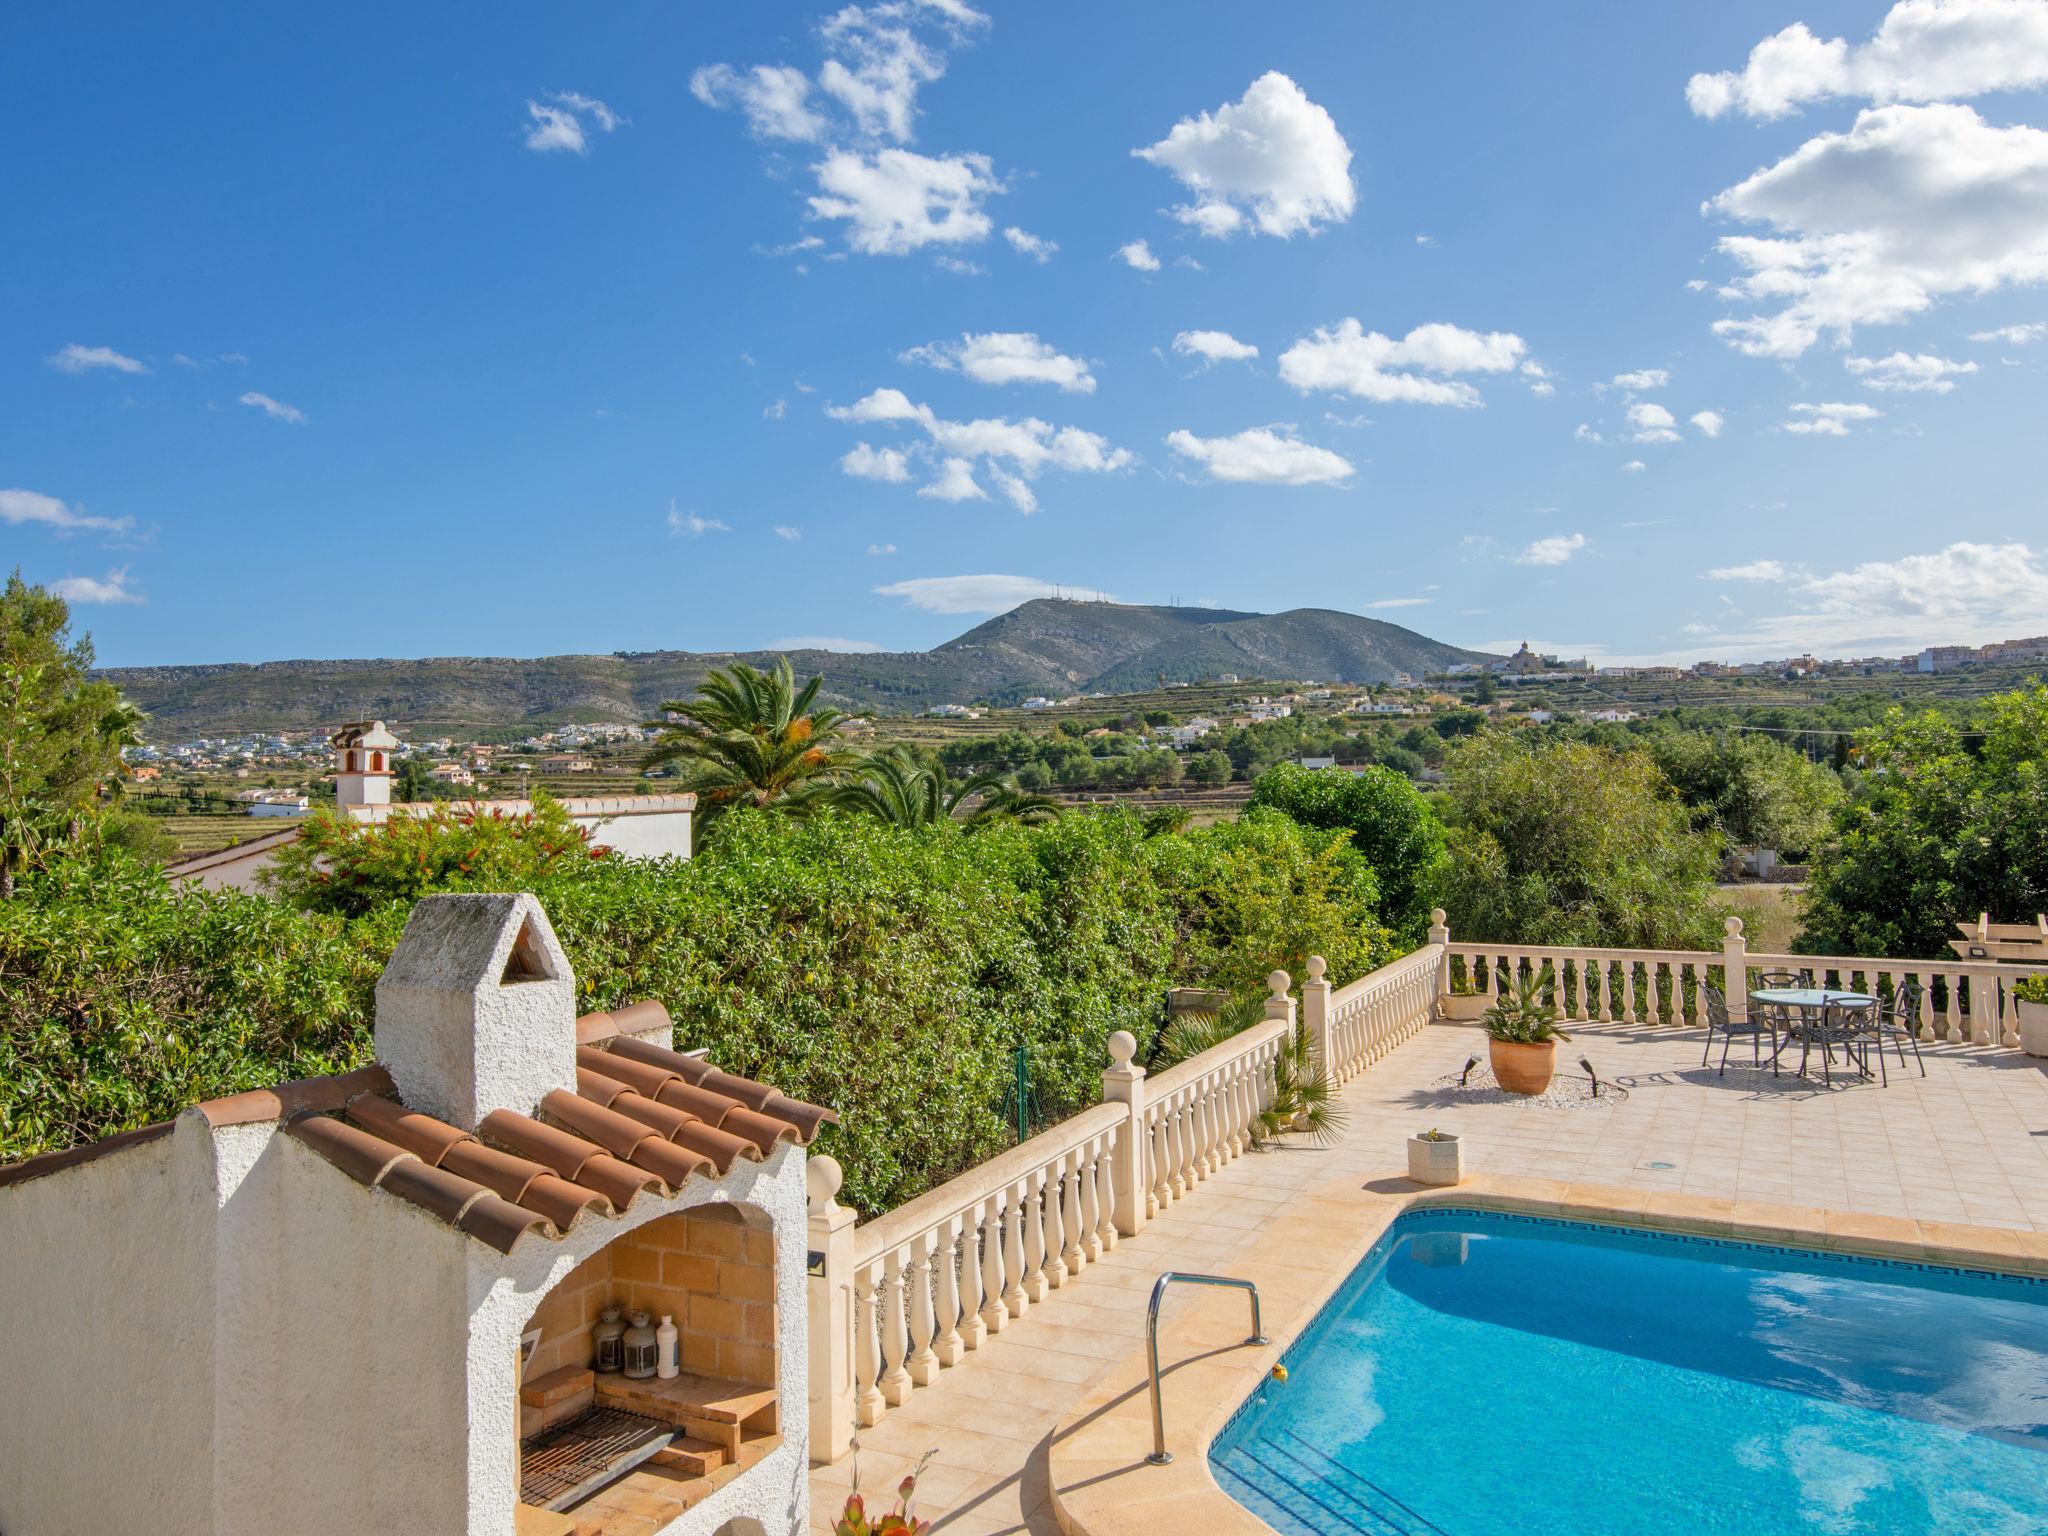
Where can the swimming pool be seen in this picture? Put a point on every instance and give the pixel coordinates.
(1484, 1374)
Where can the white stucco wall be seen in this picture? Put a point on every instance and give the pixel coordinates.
(651, 835)
(106, 1349)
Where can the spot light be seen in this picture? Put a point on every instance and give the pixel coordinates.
(1592, 1074)
(1470, 1063)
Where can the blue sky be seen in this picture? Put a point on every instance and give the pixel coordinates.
(422, 331)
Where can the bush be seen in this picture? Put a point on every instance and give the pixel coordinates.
(1390, 824)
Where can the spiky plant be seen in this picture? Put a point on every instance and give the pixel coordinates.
(752, 737)
(1303, 1099)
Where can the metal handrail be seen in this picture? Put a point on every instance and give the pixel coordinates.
(1160, 1454)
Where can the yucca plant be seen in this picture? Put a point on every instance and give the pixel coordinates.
(1303, 1101)
(1524, 1015)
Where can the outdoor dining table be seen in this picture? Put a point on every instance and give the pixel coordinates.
(1810, 1004)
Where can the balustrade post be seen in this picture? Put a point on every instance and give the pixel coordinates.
(995, 1309)
(1315, 1017)
(894, 1383)
(1015, 1296)
(973, 1266)
(829, 1308)
(1131, 1166)
(1440, 935)
(1735, 971)
(947, 1345)
(922, 1363)
(1278, 1004)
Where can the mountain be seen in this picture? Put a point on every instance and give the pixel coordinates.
(1049, 646)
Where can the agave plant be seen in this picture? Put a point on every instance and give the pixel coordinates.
(896, 787)
(1302, 1100)
(1524, 1015)
(751, 737)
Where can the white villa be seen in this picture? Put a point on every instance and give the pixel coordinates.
(634, 826)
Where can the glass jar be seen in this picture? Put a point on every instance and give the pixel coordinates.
(607, 1340)
(643, 1352)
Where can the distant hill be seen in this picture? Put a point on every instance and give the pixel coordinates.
(1049, 646)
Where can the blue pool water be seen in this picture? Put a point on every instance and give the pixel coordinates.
(1488, 1375)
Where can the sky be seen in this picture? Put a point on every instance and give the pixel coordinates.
(1637, 332)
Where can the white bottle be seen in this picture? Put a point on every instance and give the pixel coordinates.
(665, 1349)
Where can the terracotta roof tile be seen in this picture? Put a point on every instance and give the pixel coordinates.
(643, 1119)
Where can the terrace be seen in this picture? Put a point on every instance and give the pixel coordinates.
(1019, 1366)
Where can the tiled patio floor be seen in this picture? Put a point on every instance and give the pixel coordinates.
(1968, 1143)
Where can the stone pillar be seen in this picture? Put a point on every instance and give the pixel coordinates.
(829, 1302)
(1278, 1004)
(1315, 1014)
(1131, 1164)
(1735, 971)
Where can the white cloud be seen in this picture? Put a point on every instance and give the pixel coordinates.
(1584, 432)
(1274, 155)
(1914, 371)
(1755, 570)
(1651, 424)
(1215, 346)
(1015, 489)
(1554, 550)
(111, 588)
(1261, 456)
(774, 97)
(876, 69)
(20, 507)
(825, 643)
(896, 201)
(1634, 467)
(959, 266)
(1425, 240)
(277, 410)
(1874, 225)
(789, 535)
(2014, 335)
(78, 359)
(879, 405)
(1708, 422)
(1360, 362)
(1024, 243)
(881, 549)
(1138, 256)
(1829, 419)
(1030, 444)
(1923, 50)
(690, 525)
(776, 410)
(980, 594)
(1398, 602)
(865, 463)
(1006, 357)
(1643, 378)
(954, 483)
(564, 121)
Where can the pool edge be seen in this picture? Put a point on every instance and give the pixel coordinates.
(1100, 1484)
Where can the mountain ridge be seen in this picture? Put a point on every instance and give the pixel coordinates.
(1050, 646)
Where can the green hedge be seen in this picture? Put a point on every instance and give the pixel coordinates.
(888, 974)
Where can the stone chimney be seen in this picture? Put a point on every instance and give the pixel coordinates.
(362, 763)
(477, 1009)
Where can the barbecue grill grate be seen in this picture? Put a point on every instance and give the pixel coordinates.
(564, 1464)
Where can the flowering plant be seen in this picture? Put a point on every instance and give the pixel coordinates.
(854, 1520)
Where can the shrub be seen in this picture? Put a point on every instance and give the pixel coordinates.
(1390, 825)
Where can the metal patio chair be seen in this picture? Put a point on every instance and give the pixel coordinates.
(1900, 1023)
(1755, 1026)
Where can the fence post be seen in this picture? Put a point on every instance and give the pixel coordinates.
(1130, 1162)
(1315, 1015)
(1735, 971)
(1440, 935)
(829, 1303)
(1278, 1004)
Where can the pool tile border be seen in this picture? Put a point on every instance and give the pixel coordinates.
(1100, 1482)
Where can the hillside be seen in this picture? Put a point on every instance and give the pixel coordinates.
(1049, 646)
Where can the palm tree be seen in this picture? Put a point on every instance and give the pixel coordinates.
(1302, 1099)
(751, 738)
(894, 786)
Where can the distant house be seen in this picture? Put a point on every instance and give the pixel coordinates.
(1038, 702)
(954, 712)
(278, 802)
(145, 774)
(1317, 762)
(567, 762)
(450, 773)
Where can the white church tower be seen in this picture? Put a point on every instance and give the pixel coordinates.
(362, 763)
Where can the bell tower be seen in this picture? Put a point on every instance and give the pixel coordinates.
(362, 763)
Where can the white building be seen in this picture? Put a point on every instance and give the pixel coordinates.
(365, 1302)
(632, 826)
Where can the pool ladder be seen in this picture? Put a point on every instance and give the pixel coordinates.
(1160, 1454)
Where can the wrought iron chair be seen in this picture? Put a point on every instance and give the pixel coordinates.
(1900, 1023)
(1850, 1028)
(1718, 1022)
(1782, 1020)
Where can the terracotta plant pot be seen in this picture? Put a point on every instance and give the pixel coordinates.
(1461, 1009)
(1520, 1067)
(1439, 1160)
(2034, 1028)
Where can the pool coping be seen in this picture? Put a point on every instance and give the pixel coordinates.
(1101, 1484)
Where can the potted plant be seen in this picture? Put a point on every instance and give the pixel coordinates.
(1436, 1157)
(2031, 999)
(1463, 1003)
(1522, 1035)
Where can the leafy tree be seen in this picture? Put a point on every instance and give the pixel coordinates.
(1562, 842)
(1485, 690)
(1391, 826)
(1758, 792)
(61, 733)
(1945, 824)
(751, 737)
(1210, 767)
(893, 786)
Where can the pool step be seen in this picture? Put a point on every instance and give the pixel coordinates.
(1314, 1494)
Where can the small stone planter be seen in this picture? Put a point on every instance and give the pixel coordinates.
(1461, 1008)
(1438, 1159)
(2033, 1027)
